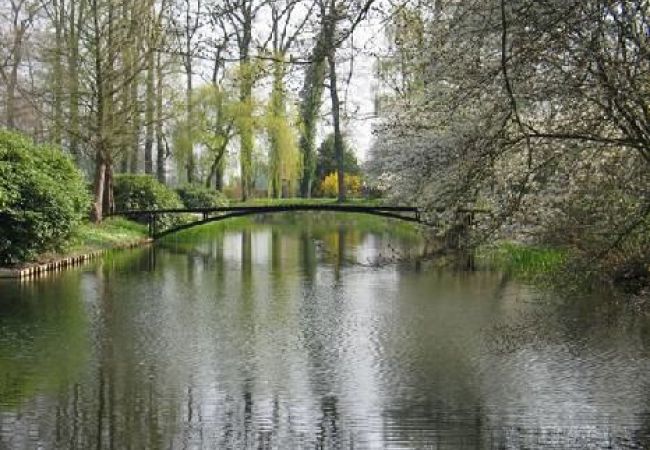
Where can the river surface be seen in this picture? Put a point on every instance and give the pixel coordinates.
(312, 331)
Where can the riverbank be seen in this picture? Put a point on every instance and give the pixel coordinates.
(89, 242)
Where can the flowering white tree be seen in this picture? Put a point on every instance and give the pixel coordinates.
(537, 109)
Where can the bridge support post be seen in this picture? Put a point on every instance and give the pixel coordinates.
(150, 224)
(153, 225)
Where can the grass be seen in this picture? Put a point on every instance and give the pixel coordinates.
(111, 233)
(526, 261)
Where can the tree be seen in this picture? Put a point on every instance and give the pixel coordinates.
(311, 99)
(286, 27)
(338, 22)
(189, 44)
(239, 16)
(215, 119)
(535, 109)
(327, 163)
(108, 33)
(20, 17)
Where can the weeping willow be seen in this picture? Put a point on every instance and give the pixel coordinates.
(285, 162)
(246, 76)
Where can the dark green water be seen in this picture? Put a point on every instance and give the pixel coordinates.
(301, 332)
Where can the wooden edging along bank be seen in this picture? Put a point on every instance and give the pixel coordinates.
(35, 270)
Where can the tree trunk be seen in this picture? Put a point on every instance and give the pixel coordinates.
(17, 56)
(312, 94)
(135, 118)
(188, 114)
(133, 53)
(59, 24)
(278, 111)
(108, 203)
(338, 138)
(218, 183)
(188, 95)
(246, 93)
(149, 113)
(96, 213)
(160, 144)
(75, 24)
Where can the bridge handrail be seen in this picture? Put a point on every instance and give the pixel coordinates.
(278, 208)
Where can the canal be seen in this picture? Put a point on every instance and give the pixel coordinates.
(312, 331)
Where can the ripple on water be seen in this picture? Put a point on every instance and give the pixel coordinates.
(219, 344)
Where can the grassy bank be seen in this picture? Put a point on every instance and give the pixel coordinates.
(89, 238)
(526, 261)
(112, 232)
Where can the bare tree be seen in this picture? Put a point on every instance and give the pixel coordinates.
(20, 18)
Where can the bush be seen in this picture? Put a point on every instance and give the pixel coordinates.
(330, 185)
(196, 196)
(43, 198)
(143, 192)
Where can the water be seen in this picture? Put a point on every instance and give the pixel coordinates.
(312, 332)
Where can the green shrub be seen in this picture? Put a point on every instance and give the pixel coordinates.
(143, 192)
(196, 196)
(139, 192)
(43, 198)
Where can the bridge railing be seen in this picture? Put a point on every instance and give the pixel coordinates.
(212, 214)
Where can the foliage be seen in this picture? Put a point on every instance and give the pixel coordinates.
(215, 115)
(196, 196)
(43, 198)
(143, 192)
(285, 162)
(326, 160)
(523, 260)
(531, 109)
(330, 185)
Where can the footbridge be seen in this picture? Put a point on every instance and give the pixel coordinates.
(192, 217)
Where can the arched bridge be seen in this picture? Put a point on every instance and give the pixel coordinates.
(207, 215)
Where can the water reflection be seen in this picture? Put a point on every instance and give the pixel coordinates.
(288, 334)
